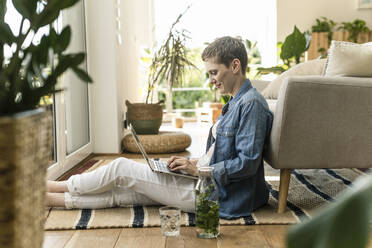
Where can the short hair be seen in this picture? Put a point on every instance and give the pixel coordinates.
(225, 50)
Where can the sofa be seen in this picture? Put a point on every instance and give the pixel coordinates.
(320, 121)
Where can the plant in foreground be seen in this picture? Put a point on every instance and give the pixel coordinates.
(32, 69)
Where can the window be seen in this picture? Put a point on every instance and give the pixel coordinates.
(210, 19)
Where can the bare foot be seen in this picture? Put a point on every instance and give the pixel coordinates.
(55, 199)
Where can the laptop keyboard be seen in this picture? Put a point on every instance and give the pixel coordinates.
(161, 165)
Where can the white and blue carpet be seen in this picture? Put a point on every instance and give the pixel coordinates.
(309, 190)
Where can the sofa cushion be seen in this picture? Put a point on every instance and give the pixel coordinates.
(311, 67)
(349, 59)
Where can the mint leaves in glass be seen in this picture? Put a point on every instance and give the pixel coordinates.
(206, 204)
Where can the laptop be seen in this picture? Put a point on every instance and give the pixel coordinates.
(154, 164)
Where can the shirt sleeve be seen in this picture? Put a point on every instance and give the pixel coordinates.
(249, 143)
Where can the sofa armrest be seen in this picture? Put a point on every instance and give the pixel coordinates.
(322, 122)
(260, 85)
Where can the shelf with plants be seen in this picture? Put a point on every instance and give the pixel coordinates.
(325, 30)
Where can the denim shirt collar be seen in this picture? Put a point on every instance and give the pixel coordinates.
(243, 89)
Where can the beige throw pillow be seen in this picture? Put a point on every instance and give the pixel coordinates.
(349, 59)
(311, 67)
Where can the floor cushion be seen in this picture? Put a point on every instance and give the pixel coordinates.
(164, 142)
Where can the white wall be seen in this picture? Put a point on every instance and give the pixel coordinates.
(304, 12)
(114, 66)
(137, 33)
(101, 47)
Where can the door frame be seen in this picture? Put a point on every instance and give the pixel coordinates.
(66, 162)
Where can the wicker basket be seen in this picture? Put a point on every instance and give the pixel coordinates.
(145, 118)
(25, 149)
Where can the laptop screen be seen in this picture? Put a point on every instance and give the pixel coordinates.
(139, 143)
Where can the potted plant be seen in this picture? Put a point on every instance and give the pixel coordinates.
(291, 51)
(324, 25)
(30, 73)
(321, 35)
(355, 30)
(168, 66)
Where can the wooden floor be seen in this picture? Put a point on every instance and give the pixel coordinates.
(231, 236)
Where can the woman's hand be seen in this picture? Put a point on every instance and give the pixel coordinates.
(176, 163)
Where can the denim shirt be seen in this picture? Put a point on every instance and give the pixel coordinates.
(237, 158)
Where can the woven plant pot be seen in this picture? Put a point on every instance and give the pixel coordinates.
(25, 149)
(145, 118)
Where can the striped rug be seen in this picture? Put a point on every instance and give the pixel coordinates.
(309, 189)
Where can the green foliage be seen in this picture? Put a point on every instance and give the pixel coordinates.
(2, 9)
(188, 99)
(254, 56)
(279, 69)
(342, 224)
(170, 60)
(354, 28)
(194, 78)
(207, 211)
(24, 77)
(225, 98)
(294, 46)
(323, 52)
(324, 25)
(290, 51)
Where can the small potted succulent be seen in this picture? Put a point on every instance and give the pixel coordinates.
(28, 74)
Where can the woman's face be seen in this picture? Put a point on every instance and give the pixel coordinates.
(222, 77)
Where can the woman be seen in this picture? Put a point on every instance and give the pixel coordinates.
(234, 149)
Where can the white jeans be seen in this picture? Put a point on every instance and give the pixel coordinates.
(125, 182)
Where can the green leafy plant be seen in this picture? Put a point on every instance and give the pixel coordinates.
(354, 28)
(170, 61)
(343, 223)
(294, 46)
(207, 211)
(290, 52)
(323, 52)
(254, 56)
(225, 98)
(32, 70)
(324, 25)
